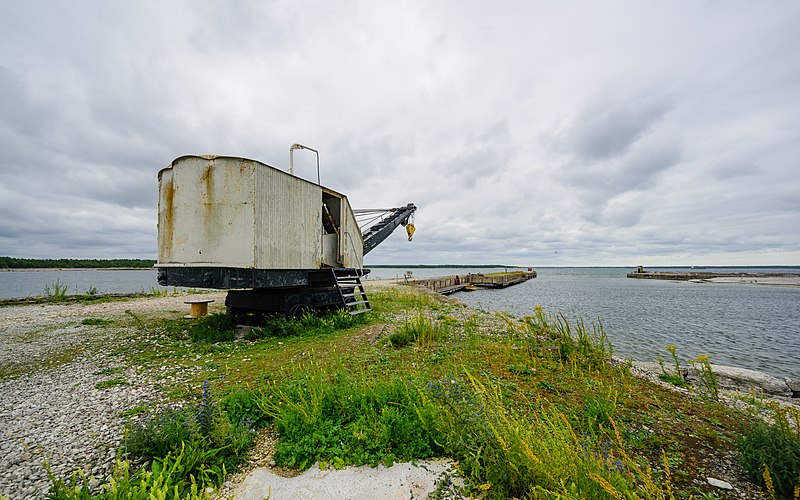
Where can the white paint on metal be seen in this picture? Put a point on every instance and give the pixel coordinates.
(232, 212)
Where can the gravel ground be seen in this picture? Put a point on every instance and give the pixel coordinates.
(50, 409)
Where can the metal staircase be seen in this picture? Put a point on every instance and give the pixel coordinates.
(354, 298)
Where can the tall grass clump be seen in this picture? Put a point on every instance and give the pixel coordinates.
(58, 292)
(506, 454)
(213, 328)
(422, 329)
(579, 344)
(770, 452)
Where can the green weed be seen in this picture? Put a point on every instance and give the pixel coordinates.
(310, 324)
(676, 377)
(210, 328)
(138, 321)
(155, 292)
(114, 382)
(136, 410)
(202, 432)
(598, 412)
(421, 329)
(177, 475)
(58, 292)
(242, 407)
(96, 322)
(583, 346)
(773, 450)
(342, 421)
(708, 379)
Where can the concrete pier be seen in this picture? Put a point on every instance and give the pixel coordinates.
(456, 283)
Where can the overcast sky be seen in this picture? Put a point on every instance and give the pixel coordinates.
(532, 133)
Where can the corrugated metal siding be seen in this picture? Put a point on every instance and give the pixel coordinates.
(351, 244)
(288, 221)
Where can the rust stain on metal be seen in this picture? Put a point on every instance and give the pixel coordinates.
(168, 229)
(208, 181)
(208, 227)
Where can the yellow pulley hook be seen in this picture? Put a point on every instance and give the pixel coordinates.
(410, 230)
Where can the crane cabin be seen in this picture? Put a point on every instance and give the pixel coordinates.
(277, 242)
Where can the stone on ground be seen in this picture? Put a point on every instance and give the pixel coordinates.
(401, 481)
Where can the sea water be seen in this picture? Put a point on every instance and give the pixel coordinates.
(29, 283)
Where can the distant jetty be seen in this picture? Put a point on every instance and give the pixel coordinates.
(786, 279)
(447, 285)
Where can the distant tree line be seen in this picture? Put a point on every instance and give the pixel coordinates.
(14, 263)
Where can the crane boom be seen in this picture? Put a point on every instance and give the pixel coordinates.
(381, 230)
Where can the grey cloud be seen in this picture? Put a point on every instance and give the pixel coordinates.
(606, 130)
(730, 169)
(482, 154)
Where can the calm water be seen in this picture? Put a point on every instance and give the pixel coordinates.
(750, 326)
(29, 283)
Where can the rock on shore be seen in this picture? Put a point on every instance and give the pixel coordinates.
(732, 378)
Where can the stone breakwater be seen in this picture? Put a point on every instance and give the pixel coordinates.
(51, 410)
(775, 279)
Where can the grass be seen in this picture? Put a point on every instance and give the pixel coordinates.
(528, 407)
(57, 292)
(49, 360)
(770, 451)
(421, 329)
(107, 384)
(341, 420)
(96, 322)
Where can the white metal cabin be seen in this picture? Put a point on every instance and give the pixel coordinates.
(233, 223)
(222, 211)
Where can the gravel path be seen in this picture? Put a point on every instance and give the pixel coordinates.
(50, 409)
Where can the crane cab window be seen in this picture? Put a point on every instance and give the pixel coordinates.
(331, 213)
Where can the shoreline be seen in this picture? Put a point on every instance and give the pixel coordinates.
(51, 269)
(55, 410)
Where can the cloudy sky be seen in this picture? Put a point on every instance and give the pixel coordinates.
(534, 133)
